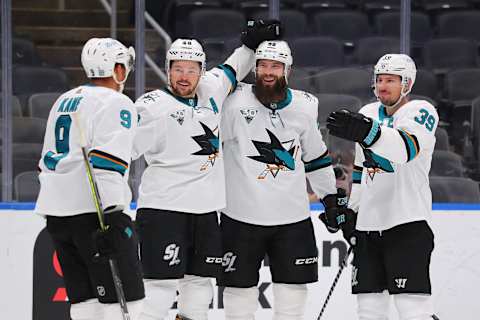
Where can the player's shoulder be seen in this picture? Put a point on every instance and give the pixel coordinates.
(303, 97)
(416, 105)
(304, 102)
(417, 108)
(151, 98)
(370, 109)
(241, 91)
(102, 97)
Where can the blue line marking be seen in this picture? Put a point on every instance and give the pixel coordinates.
(317, 206)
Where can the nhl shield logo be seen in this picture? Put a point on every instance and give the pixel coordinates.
(101, 291)
(249, 114)
(179, 116)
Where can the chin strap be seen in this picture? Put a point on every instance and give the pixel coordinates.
(121, 84)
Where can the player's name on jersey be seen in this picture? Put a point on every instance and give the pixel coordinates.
(69, 104)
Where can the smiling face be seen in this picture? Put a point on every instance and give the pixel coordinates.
(270, 81)
(184, 77)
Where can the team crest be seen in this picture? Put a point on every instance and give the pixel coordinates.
(179, 116)
(249, 114)
(277, 156)
(376, 164)
(209, 144)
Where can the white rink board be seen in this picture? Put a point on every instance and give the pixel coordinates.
(455, 271)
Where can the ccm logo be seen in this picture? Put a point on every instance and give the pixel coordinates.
(311, 260)
(216, 260)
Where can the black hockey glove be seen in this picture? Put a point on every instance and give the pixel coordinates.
(354, 126)
(109, 242)
(347, 220)
(334, 205)
(258, 31)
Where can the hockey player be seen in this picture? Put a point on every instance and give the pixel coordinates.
(183, 185)
(271, 144)
(107, 119)
(391, 193)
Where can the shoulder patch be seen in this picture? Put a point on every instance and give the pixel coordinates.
(249, 114)
(150, 97)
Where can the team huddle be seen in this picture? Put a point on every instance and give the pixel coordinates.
(226, 184)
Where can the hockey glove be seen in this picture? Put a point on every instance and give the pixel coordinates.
(347, 220)
(260, 30)
(354, 126)
(108, 242)
(333, 204)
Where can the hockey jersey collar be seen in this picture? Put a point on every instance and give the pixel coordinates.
(191, 102)
(282, 104)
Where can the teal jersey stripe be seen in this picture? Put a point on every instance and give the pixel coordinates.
(230, 73)
(214, 105)
(319, 163)
(357, 176)
(410, 144)
(105, 164)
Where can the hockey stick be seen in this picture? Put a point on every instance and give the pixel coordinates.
(101, 219)
(342, 266)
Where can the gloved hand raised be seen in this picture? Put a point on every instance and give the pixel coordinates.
(258, 31)
(354, 126)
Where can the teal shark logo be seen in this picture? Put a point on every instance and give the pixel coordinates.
(209, 144)
(274, 155)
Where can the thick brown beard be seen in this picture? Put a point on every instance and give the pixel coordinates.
(267, 94)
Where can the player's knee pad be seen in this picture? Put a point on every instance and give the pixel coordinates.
(373, 306)
(414, 307)
(159, 297)
(240, 303)
(289, 301)
(86, 310)
(194, 297)
(114, 312)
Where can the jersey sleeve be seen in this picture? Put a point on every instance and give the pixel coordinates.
(234, 69)
(413, 133)
(151, 126)
(112, 133)
(357, 175)
(315, 156)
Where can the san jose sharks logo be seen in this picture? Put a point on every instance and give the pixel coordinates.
(209, 144)
(249, 114)
(376, 164)
(179, 116)
(276, 157)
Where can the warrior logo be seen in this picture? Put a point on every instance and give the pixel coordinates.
(274, 155)
(354, 276)
(179, 116)
(249, 114)
(209, 143)
(401, 282)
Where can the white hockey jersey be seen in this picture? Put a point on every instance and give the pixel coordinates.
(390, 179)
(180, 141)
(267, 154)
(108, 120)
